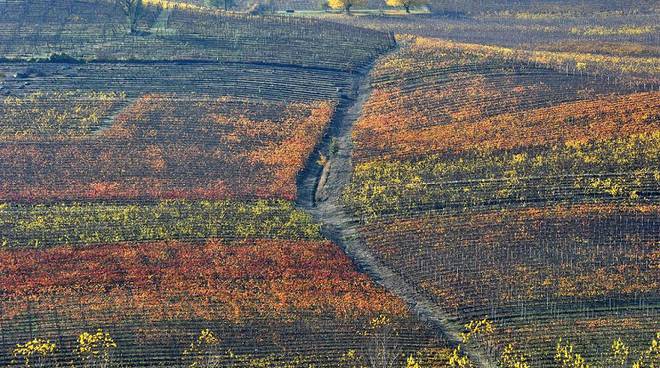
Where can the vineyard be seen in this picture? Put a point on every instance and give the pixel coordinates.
(582, 272)
(473, 185)
(509, 191)
(147, 182)
(256, 82)
(96, 31)
(615, 40)
(153, 150)
(68, 114)
(264, 299)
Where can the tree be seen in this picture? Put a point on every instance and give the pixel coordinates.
(36, 352)
(203, 352)
(133, 10)
(411, 362)
(345, 4)
(96, 349)
(383, 350)
(226, 4)
(566, 357)
(480, 332)
(619, 353)
(459, 360)
(406, 4)
(513, 359)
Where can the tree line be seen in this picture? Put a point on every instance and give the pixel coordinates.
(347, 5)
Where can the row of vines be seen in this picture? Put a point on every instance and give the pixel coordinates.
(509, 191)
(159, 146)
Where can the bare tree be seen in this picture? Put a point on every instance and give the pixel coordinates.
(133, 10)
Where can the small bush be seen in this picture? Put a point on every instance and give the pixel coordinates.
(63, 58)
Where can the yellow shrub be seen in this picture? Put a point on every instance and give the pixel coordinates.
(36, 349)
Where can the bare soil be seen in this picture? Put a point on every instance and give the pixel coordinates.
(319, 193)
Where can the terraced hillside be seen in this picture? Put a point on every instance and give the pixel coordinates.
(614, 39)
(218, 106)
(213, 79)
(265, 300)
(214, 189)
(161, 146)
(147, 179)
(97, 30)
(510, 192)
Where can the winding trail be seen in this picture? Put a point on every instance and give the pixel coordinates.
(319, 192)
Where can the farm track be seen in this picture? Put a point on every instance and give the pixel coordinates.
(319, 193)
(108, 121)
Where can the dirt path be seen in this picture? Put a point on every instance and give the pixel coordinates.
(109, 120)
(323, 202)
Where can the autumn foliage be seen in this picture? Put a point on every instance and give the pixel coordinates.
(267, 302)
(529, 268)
(55, 114)
(88, 224)
(166, 146)
(501, 187)
(210, 280)
(401, 134)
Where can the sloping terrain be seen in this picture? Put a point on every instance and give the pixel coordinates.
(147, 184)
(98, 31)
(224, 190)
(515, 194)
